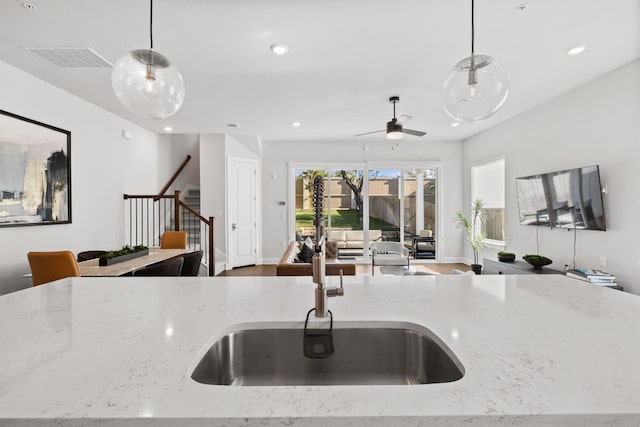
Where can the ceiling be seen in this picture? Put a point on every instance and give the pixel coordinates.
(346, 57)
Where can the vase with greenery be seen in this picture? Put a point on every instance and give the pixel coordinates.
(471, 224)
(506, 256)
(127, 252)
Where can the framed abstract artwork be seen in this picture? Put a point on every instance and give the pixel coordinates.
(35, 172)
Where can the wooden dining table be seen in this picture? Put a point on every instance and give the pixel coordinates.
(91, 268)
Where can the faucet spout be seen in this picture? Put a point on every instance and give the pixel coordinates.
(318, 266)
(318, 260)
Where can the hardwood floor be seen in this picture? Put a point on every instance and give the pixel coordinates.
(270, 269)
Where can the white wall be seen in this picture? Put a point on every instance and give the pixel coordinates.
(277, 155)
(597, 123)
(174, 151)
(214, 151)
(212, 185)
(103, 167)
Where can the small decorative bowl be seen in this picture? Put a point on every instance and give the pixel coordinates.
(507, 257)
(537, 261)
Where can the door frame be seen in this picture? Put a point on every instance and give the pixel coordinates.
(228, 222)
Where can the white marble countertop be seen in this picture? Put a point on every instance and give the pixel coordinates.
(537, 350)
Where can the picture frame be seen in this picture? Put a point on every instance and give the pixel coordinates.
(35, 172)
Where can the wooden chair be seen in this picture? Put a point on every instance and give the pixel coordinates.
(191, 266)
(173, 240)
(49, 266)
(170, 267)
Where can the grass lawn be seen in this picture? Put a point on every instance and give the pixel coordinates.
(342, 218)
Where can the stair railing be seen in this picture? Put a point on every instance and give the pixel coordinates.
(175, 175)
(148, 216)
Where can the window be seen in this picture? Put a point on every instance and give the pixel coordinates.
(487, 184)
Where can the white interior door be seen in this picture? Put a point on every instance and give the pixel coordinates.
(242, 212)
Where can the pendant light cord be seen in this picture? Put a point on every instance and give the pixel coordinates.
(151, 23)
(473, 32)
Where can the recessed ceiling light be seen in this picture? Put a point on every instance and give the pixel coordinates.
(577, 49)
(30, 7)
(279, 49)
(521, 8)
(296, 124)
(455, 124)
(168, 128)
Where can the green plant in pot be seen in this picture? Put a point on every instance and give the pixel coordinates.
(506, 256)
(471, 225)
(538, 261)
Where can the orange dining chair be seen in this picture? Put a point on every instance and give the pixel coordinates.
(173, 240)
(50, 266)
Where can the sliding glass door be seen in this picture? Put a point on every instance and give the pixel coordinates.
(419, 198)
(385, 204)
(362, 205)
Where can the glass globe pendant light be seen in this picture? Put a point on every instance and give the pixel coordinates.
(146, 83)
(476, 87)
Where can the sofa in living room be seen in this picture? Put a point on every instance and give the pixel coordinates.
(352, 239)
(291, 265)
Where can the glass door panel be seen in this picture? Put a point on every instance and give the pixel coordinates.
(385, 204)
(347, 208)
(305, 213)
(419, 211)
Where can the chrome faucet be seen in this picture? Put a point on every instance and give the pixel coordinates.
(322, 293)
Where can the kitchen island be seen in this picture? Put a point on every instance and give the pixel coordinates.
(536, 350)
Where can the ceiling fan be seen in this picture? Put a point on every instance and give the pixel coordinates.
(395, 127)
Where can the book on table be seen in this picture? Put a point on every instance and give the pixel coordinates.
(591, 279)
(597, 277)
(590, 274)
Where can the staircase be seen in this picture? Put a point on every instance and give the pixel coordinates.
(147, 216)
(188, 222)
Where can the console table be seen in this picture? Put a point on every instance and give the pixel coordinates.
(490, 266)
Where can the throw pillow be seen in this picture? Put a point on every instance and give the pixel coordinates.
(309, 243)
(306, 254)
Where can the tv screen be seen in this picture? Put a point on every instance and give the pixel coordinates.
(563, 199)
(532, 201)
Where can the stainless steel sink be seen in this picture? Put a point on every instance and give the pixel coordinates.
(382, 353)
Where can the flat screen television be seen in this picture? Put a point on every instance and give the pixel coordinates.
(563, 199)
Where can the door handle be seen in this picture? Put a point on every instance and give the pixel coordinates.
(234, 226)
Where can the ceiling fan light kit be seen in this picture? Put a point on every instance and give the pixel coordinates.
(395, 127)
(476, 87)
(146, 83)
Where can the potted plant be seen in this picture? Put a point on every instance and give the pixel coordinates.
(506, 256)
(538, 261)
(471, 226)
(126, 253)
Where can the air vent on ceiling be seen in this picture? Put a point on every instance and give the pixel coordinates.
(233, 125)
(70, 57)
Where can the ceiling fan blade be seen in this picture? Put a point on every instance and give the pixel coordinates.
(369, 133)
(414, 132)
(404, 119)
